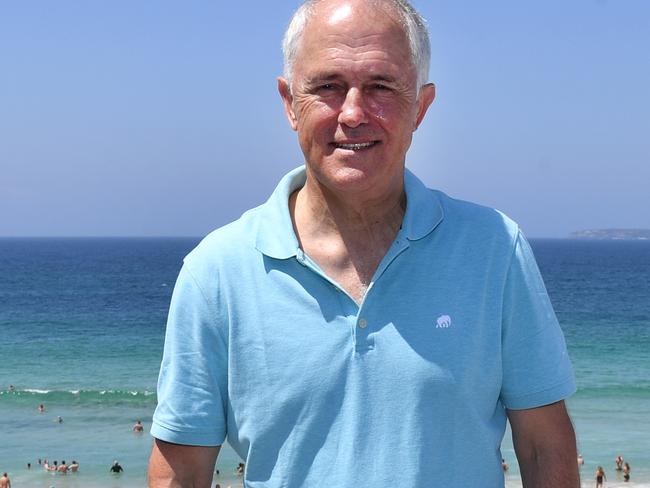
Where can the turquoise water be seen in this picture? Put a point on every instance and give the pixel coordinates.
(82, 324)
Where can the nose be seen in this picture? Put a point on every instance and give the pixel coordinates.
(353, 112)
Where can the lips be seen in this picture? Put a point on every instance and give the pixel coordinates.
(355, 146)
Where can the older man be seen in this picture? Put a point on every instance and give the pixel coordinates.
(358, 329)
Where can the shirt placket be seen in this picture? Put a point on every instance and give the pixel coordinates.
(362, 321)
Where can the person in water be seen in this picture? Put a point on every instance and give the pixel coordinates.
(626, 472)
(600, 476)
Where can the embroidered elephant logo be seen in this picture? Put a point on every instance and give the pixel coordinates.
(443, 322)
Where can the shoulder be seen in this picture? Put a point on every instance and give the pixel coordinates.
(475, 223)
(225, 248)
(231, 239)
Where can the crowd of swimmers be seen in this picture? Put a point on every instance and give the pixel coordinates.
(73, 467)
(59, 468)
(63, 467)
(621, 466)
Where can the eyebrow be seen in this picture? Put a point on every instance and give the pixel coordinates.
(324, 77)
(321, 77)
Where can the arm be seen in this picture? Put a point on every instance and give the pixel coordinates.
(178, 466)
(545, 445)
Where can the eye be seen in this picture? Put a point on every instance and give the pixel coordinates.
(326, 87)
(381, 87)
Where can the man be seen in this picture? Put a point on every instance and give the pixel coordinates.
(138, 427)
(116, 468)
(359, 329)
(5, 482)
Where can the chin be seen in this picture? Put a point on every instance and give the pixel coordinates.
(346, 178)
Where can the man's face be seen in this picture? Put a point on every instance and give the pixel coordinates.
(353, 99)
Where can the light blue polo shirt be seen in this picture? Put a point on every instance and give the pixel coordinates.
(408, 389)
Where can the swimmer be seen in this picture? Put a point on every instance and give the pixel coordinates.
(600, 476)
(581, 460)
(619, 463)
(504, 465)
(41, 408)
(63, 468)
(58, 419)
(116, 468)
(626, 472)
(74, 466)
(5, 482)
(138, 427)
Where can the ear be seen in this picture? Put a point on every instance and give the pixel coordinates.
(425, 99)
(287, 99)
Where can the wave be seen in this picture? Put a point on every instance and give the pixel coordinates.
(609, 391)
(110, 396)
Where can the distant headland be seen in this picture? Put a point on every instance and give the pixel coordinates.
(612, 234)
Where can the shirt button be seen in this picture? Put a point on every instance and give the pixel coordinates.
(363, 323)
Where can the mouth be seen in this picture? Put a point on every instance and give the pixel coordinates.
(356, 146)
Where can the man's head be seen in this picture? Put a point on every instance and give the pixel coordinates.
(413, 24)
(353, 95)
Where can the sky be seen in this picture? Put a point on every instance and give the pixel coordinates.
(160, 118)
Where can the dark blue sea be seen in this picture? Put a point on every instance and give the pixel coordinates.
(82, 324)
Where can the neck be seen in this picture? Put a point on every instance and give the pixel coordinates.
(347, 235)
(319, 212)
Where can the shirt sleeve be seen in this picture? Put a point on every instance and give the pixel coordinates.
(193, 381)
(537, 370)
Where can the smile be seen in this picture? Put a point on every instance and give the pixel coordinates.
(357, 146)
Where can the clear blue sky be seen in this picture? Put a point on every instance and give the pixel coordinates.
(162, 118)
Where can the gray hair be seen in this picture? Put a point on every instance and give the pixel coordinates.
(415, 28)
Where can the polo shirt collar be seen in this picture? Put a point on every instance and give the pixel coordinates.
(275, 235)
(277, 239)
(423, 208)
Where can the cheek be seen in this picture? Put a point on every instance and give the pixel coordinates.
(316, 118)
(378, 110)
(391, 113)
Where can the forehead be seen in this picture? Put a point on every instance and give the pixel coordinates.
(348, 33)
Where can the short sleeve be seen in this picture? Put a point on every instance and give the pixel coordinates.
(537, 370)
(193, 381)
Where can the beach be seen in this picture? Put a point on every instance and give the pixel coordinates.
(82, 323)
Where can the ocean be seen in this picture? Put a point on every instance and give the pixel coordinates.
(82, 323)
